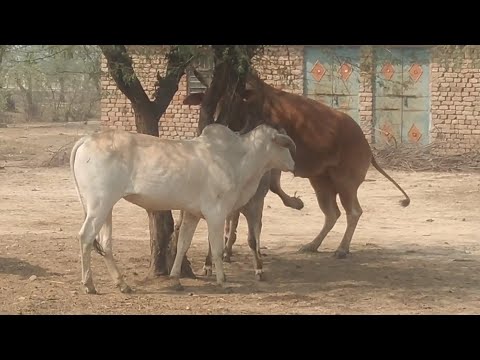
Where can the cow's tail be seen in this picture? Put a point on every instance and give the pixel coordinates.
(405, 202)
(72, 164)
(96, 244)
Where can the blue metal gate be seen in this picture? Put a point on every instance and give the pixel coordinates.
(402, 96)
(332, 77)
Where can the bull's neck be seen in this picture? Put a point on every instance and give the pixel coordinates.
(279, 113)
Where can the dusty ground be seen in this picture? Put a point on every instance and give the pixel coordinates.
(423, 259)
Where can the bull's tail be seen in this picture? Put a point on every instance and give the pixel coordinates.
(405, 202)
(96, 244)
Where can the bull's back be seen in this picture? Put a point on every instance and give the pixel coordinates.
(325, 137)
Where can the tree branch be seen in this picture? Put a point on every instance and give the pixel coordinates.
(120, 67)
(165, 88)
(40, 58)
(217, 87)
(20, 85)
(232, 64)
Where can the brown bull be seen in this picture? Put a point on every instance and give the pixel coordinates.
(332, 152)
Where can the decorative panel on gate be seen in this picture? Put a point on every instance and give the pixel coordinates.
(332, 77)
(402, 96)
(346, 81)
(416, 97)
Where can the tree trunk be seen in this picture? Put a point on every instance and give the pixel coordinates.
(161, 229)
(61, 82)
(161, 223)
(30, 108)
(163, 244)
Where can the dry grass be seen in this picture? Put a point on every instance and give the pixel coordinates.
(425, 158)
(60, 156)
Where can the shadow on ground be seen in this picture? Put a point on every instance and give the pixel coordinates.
(427, 270)
(24, 269)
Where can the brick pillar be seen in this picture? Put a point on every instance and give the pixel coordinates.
(366, 92)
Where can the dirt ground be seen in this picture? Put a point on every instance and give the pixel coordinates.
(423, 259)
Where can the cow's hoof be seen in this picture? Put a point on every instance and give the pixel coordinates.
(226, 258)
(225, 287)
(294, 203)
(125, 289)
(308, 248)
(340, 254)
(205, 271)
(259, 276)
(90, 291)
(176, 285)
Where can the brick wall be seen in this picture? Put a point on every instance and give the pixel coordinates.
(280, 66)
(116, 110)
(455, 96)
(455, 106)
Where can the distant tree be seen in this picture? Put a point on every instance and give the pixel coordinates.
(57, 82)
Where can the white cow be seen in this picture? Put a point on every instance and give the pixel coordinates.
(207, 177)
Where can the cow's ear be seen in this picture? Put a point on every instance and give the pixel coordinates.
(248, 94)
(194, 99)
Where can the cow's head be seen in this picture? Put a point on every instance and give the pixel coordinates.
(280, 147)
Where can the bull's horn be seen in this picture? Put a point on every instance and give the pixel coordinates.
(285, 141)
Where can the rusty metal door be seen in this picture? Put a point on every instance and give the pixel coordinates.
(402, 96)
(332, 77)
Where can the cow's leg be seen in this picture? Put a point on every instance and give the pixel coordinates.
(185, 235)
(231, 224)
(349, 199)
(207, 265)
(253, 214)
(215, 238)
(92, 224)
(106, 244)
(275, 187)
(326, 197)
(227, 228)
(232, 221)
